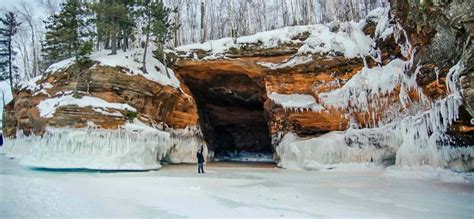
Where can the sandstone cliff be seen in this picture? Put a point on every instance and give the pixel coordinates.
(319, 79)
(395, 87)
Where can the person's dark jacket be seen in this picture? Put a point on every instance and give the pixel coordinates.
(200, 157)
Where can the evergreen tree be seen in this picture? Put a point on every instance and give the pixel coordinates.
(157, 23)
(114, 22)
(68, 34)
(7, 55)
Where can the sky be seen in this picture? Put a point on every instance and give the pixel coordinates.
(10, 4)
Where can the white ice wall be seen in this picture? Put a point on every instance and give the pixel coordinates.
(134, 147)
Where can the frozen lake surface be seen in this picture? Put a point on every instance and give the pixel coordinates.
(227, 190)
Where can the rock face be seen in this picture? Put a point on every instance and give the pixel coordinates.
(443, 33)
(154, 103)
(231, 88)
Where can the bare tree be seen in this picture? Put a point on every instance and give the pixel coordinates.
(176, 6)
(22, 42)
(27, 16)
(51, 6)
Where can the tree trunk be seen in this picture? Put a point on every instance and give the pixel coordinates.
(10, 62)
(35, 56)
(113, 42)
(145, 52)
(284, 10)
(147, 40)
(161, 49)
(203, 31)
(177, 26)
(124, 41)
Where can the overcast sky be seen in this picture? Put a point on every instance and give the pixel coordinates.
(8, 5)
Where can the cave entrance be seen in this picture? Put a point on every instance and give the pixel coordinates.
(232, 117)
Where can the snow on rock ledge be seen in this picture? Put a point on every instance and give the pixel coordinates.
(132, 60)
(295, 101)
(346, 38)
(48, 107)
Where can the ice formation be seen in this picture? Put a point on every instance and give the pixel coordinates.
(413, 141)
(136, 146)
(19, 146)
(184, 145)
(295, 102)
(413, 136)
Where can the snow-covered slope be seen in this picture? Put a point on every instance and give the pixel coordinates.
(132, 60)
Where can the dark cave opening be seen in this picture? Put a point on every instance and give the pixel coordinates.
(232, 116)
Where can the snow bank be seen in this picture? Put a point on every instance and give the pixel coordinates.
(48, 107)
(62, 65)
(31, 84)
(295, 101)
(349, 40)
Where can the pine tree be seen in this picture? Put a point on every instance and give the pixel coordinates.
(157, 23)
(68, 34)
(7, 54)
(114, 22)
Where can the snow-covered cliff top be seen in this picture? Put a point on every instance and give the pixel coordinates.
(347, 38)
(131, 59)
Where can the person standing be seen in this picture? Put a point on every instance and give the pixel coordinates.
(200, 159)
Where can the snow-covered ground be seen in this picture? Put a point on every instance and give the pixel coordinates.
(228, 190)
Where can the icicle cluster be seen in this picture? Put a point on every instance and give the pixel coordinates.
(412, 141)
(92, 148)
(410, 134)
